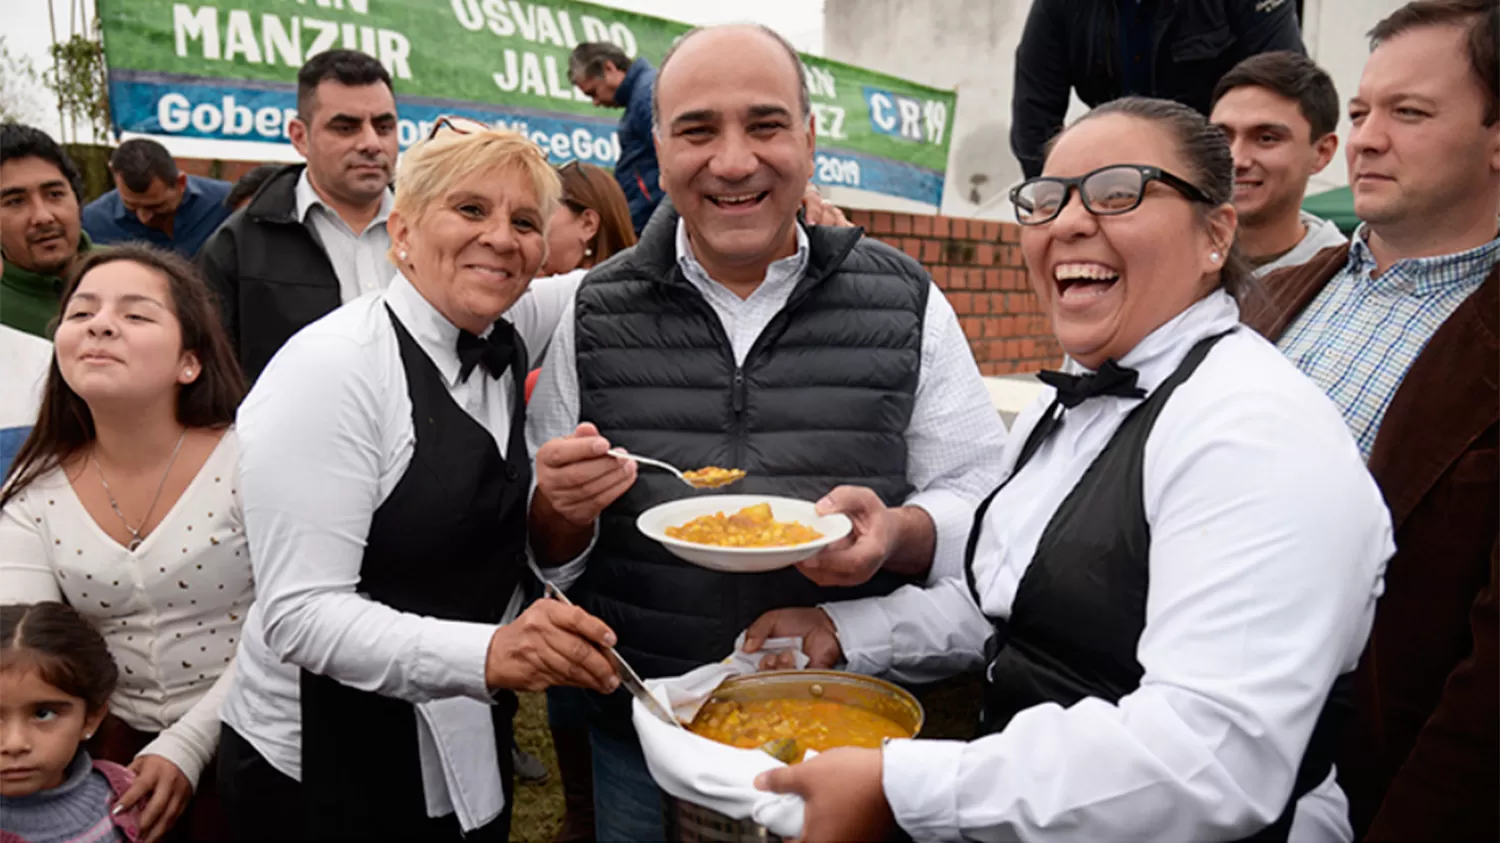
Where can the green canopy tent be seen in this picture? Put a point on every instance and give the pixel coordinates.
(1336, 206)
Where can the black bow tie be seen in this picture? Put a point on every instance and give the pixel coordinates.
(1111, 379)
(495, 352)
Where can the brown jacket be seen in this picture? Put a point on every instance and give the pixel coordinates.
(1423, 759)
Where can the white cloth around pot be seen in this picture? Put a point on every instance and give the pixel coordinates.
(705, 772)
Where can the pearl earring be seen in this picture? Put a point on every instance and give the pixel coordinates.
(1214, 256)
(401, 254)
(588, 251)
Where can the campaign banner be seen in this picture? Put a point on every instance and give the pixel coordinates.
(227, 71)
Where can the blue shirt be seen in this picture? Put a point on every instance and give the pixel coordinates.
(202, 211)
(1361, 333)
(637, 170)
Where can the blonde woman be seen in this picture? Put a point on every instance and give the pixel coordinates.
(385, 479)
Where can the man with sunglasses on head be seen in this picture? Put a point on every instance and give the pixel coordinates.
(314, 237)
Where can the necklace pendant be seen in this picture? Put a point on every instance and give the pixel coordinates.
(134, 543)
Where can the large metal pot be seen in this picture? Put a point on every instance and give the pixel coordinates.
(691, 823)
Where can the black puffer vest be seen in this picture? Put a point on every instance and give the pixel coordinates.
(823, 398)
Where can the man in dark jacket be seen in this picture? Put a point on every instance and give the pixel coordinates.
(606, 74)
(314, 236)
(826, 365)
(1400, 328)
(1106, 49)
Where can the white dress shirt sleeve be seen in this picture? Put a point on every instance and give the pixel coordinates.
(913, 634)
(553, 410)
(311, 464)
(955, 440)
(540, 309)
(553, 414)
(26, 574)
(1265, 567)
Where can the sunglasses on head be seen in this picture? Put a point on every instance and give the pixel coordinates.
(460, 125)
(583, 173)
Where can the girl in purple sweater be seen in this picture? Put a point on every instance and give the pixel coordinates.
(56, 675)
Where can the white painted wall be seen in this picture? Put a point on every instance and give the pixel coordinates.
(1334, 32)
(970, 45)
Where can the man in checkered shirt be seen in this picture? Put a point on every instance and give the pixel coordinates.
(1400, 329)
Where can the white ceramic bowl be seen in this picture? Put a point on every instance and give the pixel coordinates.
(655, 521)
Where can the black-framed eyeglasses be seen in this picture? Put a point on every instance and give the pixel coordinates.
(461, 125)
(1116, 189)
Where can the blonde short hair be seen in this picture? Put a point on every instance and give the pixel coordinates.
(435, 166)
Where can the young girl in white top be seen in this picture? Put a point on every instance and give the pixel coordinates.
(122, 502)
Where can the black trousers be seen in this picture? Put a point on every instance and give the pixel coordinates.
(262, 803)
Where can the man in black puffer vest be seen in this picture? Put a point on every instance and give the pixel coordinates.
(827, 366)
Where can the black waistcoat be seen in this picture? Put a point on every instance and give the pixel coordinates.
(1080, 607)
(823, 398)
(449, 542)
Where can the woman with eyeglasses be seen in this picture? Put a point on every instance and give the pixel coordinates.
(1181, 564)
(385, 480)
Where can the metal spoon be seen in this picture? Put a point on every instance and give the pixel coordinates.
(628, 677)
(785, 750)
(626, 455)
(623, 454)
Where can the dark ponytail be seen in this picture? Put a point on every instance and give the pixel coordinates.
(61, 646)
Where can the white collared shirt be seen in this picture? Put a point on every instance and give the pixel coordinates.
(1268, 545)
(954, 439)
(359, 260)
(327, 434)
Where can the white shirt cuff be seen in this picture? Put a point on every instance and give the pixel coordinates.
(181, 752)
(864, 634)
(952, 517)
(565, 575)
(920, 779)
(452, 656)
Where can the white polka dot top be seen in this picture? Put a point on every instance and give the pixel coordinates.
(171, 611)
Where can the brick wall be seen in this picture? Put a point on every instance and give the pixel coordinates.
(978, 265)
(229, 171)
